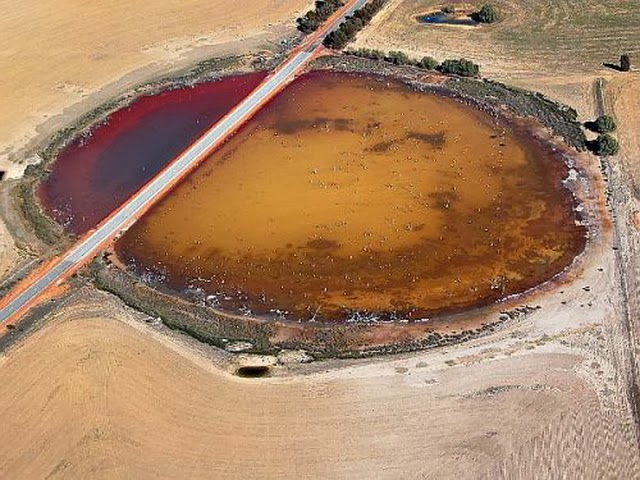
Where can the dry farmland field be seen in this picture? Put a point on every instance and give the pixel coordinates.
(550, 37)
(96, 389)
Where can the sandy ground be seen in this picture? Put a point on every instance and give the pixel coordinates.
(623, 95)
(99, 393)
(8, 252)
(59, 58)
(90, 395)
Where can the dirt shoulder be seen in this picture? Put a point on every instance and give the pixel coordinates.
(622, 100)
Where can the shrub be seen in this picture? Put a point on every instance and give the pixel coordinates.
(605, 145)
(398, 58)
(448, 9)
(486, 14)
(462, 67)
(428, 63)
(605, 124)
(625, 62)
(368, 53)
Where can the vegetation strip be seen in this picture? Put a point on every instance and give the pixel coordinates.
(461, 67)
(348, 29)
(316, 17)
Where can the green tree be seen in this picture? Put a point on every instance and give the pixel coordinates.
(462, 67)
(605, 145)
(625, 62)
(486, 14)
(428, 63)
(605, 124)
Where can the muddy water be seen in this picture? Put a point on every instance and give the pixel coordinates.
(352, 197)
(94, 175)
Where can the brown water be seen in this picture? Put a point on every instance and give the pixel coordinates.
(352, 197)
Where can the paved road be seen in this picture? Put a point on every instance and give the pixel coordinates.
(84, 250)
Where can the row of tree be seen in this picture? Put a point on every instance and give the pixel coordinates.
(604, 145)
(316, 17)
(348, 29)
(461, 66)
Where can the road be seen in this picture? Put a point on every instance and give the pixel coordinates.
(22, 297)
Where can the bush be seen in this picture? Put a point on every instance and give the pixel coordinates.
(625, 62)
(398, 58)
(605, 124)
(448, 9)
(605, 145)
(368, 53)
(428, 63)
(462, 67)
(486, 14)
(395, 57)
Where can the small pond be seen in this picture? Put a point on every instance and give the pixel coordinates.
(442, 18)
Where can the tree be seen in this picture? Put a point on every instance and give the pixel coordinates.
(605, 145)
(605, 124)
(462, 67)
(486, 14)
(625, 62)
(428, 63)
